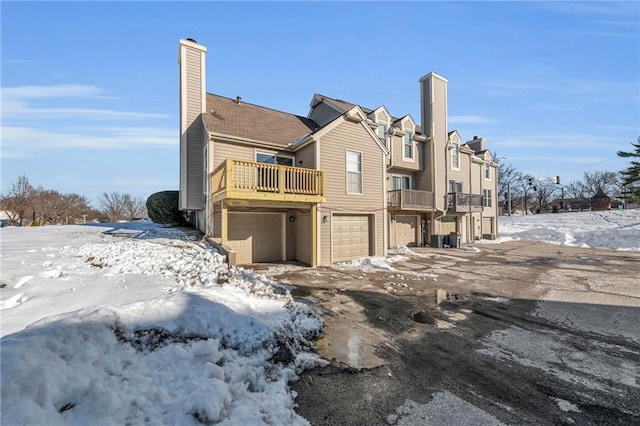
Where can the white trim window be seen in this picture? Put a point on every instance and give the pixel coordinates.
(487, 171)
(455, 186)
(401, 182)
(486, 198)
(407, 145)
(455, 155)
(354, 172)
(273, 158)
(383, 132)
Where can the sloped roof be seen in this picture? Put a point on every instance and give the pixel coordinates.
(348, 105)
(245, 120)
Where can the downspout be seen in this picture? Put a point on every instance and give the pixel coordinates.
(471, 191)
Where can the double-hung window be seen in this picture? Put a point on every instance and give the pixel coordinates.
(383, 132)
(455, 156)
(408, 145)
(354, 172)
(486, 197)
(487, 171)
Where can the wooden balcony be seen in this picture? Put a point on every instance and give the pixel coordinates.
(249, 180)
(409, 199)
(460, 202)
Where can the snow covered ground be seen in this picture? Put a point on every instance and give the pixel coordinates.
(133, 323)
(613, 229)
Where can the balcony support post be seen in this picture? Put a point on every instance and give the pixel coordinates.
(314, 235)
(224, 222)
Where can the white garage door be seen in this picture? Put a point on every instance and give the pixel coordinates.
(448, 225)
(350, 237)
(405, 230)
(256, 237)
(487, 225)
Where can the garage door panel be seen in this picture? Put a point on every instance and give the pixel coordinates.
(350, 237)
(487, 225)
(405, 230)
(448, 225)
(256, 237)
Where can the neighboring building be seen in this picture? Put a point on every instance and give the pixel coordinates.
(343, 182)
(600, 201)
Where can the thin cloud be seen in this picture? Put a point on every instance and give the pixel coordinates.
(619, 128)
(18, 103)
(17, 61)
(612, 10)
(21, 142)
(573, 141)
(43, 92)
(555, 107)
(595, 90)
(469, 119)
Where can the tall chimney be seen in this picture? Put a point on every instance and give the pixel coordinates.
(433, 103)
(191, 60)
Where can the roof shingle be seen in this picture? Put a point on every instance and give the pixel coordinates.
(245, 120)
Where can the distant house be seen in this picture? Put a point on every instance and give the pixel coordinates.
(344, 181)
(600, 201)
(5, 218)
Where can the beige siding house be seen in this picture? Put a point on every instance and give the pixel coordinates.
(343, 182)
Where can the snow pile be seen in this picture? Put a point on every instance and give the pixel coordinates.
(406, 251)
(193, 342)
(372, 263)
(614, 229)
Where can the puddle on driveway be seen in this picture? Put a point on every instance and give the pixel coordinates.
(350, 346)
(349, 338)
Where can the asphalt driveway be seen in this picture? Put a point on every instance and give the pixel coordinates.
(511, 333)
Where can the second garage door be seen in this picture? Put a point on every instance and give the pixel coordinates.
(350, 237)
(256, 237)
(404, 229)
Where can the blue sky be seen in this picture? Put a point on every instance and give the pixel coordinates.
(90, 89)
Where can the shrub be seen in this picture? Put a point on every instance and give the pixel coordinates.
(163, 208)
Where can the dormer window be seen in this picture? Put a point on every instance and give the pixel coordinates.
(383, 132)
(408, 145)
(455, 155)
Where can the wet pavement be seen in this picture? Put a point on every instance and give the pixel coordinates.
(515, 333)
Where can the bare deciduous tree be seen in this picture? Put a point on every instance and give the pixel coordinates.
(117, 206)
(608, 182)
(134, 207)
(112, 205)
(18, 201)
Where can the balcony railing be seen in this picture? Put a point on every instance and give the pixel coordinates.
(409, 199)
(462, 202)
(250, 180)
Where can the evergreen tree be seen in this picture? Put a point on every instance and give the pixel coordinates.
(632, 174)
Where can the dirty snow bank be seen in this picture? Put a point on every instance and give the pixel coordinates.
(152, 328)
